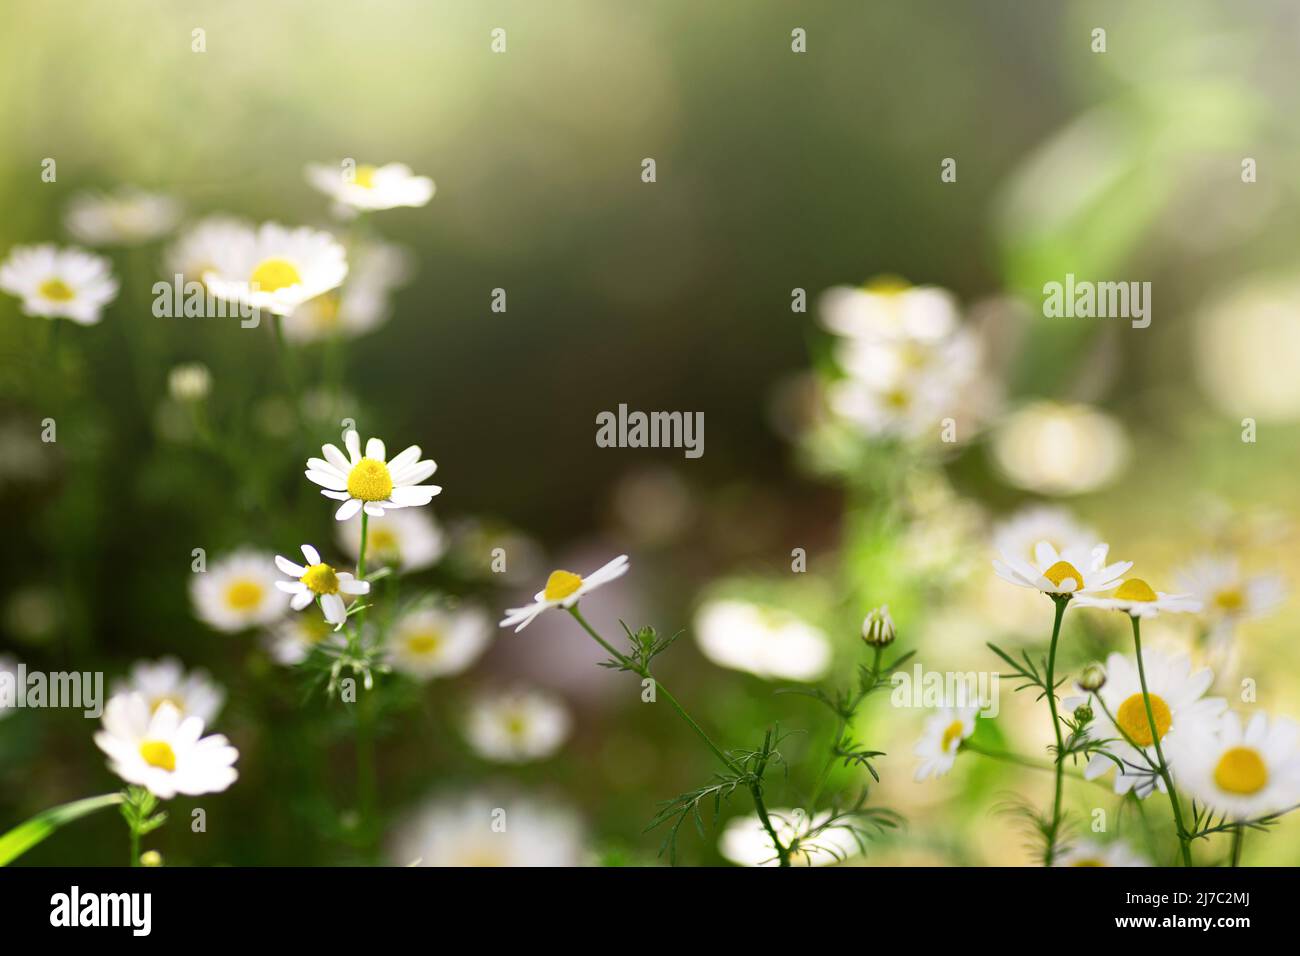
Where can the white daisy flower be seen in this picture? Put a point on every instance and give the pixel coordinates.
(361, 304)
(563, 589)
(163, 751)
(1135, 598)
(746, 842)
(277, 268)
(432, 642)
(1088, 853)
(1229, 596)
(1178, 704)
(290, 641)
(1019, 535)
(365, 188)
(165, 682)
(319, 581)
(368, 481)
(483, 830)
(200, 247)
(126, 217)
(889, 307)
(941, 739)
(1244, 773)
(1076, 570)
(408, 539)
(238, 591)
(765, 641)
(517, 726)
(59, 283)
(907, 408)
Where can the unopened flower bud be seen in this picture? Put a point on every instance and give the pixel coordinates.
(1083, 714)
(878, 627)
(1093, 677)
(151, 858)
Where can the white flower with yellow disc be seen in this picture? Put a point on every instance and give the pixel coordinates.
(1087, 853)
(517, 726)
(1245, 772)
(56, 283)
(432, 642)
(363, 188)
(319, 581)
(238, 591)
(941, 739)
(1076, 570)
(163, 751)
(408, 539)
(370, 481)
(277, 268)
(1136, 598)
(165, 681)
(563, 589)
(127, 217)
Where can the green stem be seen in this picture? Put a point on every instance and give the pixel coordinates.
(361, 553)
(135, 846)
(1238, 837)
(1050, 853)
(1183, 841)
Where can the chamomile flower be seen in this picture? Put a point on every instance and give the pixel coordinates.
(906, 408)
(408, 539)
(517, 726)
(746, 842)
(58, 283)
(1245, 772)
(163, 750)
(563, 589)
(1178, 704)
(941, 739)
(369, 481)
(1135, 598)
(1088, 853)
(1019, 535)
(481, 830)
(319, 581)
(889, 307)
(277, 268)
(1229, 596)
(1076, 570)
(358, 306)
(768, 642)
(199, 247)
(165, 682)
(238, 591)
(126, 217)
(362, 188)
(290, 641)
(431, 642)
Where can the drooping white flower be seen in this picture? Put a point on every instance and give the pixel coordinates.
(564, 589)
(238, 591)
(1088, 853)
(277, 268)
(59, 283)
(1136, 598)
(163, 751)
(368, 481)
(765, 641)
(319, 581)
(363, 188)
(125, 217)
(746, 842)
(1245, 773)
(432, 642)
(941, 739)
(517, 726)
(165, 681)
(479, 830)
(408, 539)
(1077, 570)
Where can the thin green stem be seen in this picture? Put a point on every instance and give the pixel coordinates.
(361, 552)
(1238, 837)
(1183, 842)
(1050, 852)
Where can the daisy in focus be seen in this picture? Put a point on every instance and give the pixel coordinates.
(364, 188)
(1087, 853)
(1244, 773)
(1076, 570)
(517, 726)
(163, 751)
(276, 268)
(563, 589)
(746, 842)
(56, 283)
(126, 217)
(941, 738)
(432, 642)
(238, 591)
(361, 304)
(318, 581)
(765, 641)
(369, 481)
(1135, 598)
(408, 539)
(165, 682)
(481, 830)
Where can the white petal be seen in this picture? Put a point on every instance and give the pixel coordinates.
(311, 554)
(375, 449)
(333, 607)
(349, 508)
(352, 441)
(301, 599)
(288, 567)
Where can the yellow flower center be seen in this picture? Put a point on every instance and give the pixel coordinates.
(1241, 770)
(177, 702)
(898, 398)
(321, 579)
(516, 724)
(1230, 600)
(245, 595)
(1061, 570)
(951, 733)
(1132, 719)
(383, 542)
(424, 643)
(325, 311)
(56, 290)
(561, 584)
(888, 285)
(1135, 589)
(365, 177)
(158, 753)
(272, 275)
(370, 480)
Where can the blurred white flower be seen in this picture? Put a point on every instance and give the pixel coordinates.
(57, 283)
(941, 739)
(408, 539)
(369, 481)
(1018, 536)
(432, 642)
(1248, 351)
(765, 641)
(276, 268)
(1245, 772)
(364, 188)
(1229, 596)
(126, 217)
(318, 581)
(889, 308)
(165, 682)
(361, 304)
(164, 751)
(477, 830)
(1088, 853)
(517, 726)
(1059, 449)
(201, 246)
(563, 589)
(238, 591)
(746, 842)
(292, 639)
(189, 382)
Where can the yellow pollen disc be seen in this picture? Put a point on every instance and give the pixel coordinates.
(1230, 600)
(321, 579)
(370, 480)
(952, 732)
(424, 643)
(1135, 589)
(271, 275)
(561, 584)
(245, 595)
(364, 177)
(176, 702)
(888, 285)
(1241, 770)
(1062, 570)
(383, 541)
(158, 753)
(516, 725)
(56, 290)
(325, 311)
(1132, 719)
(897, 398)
